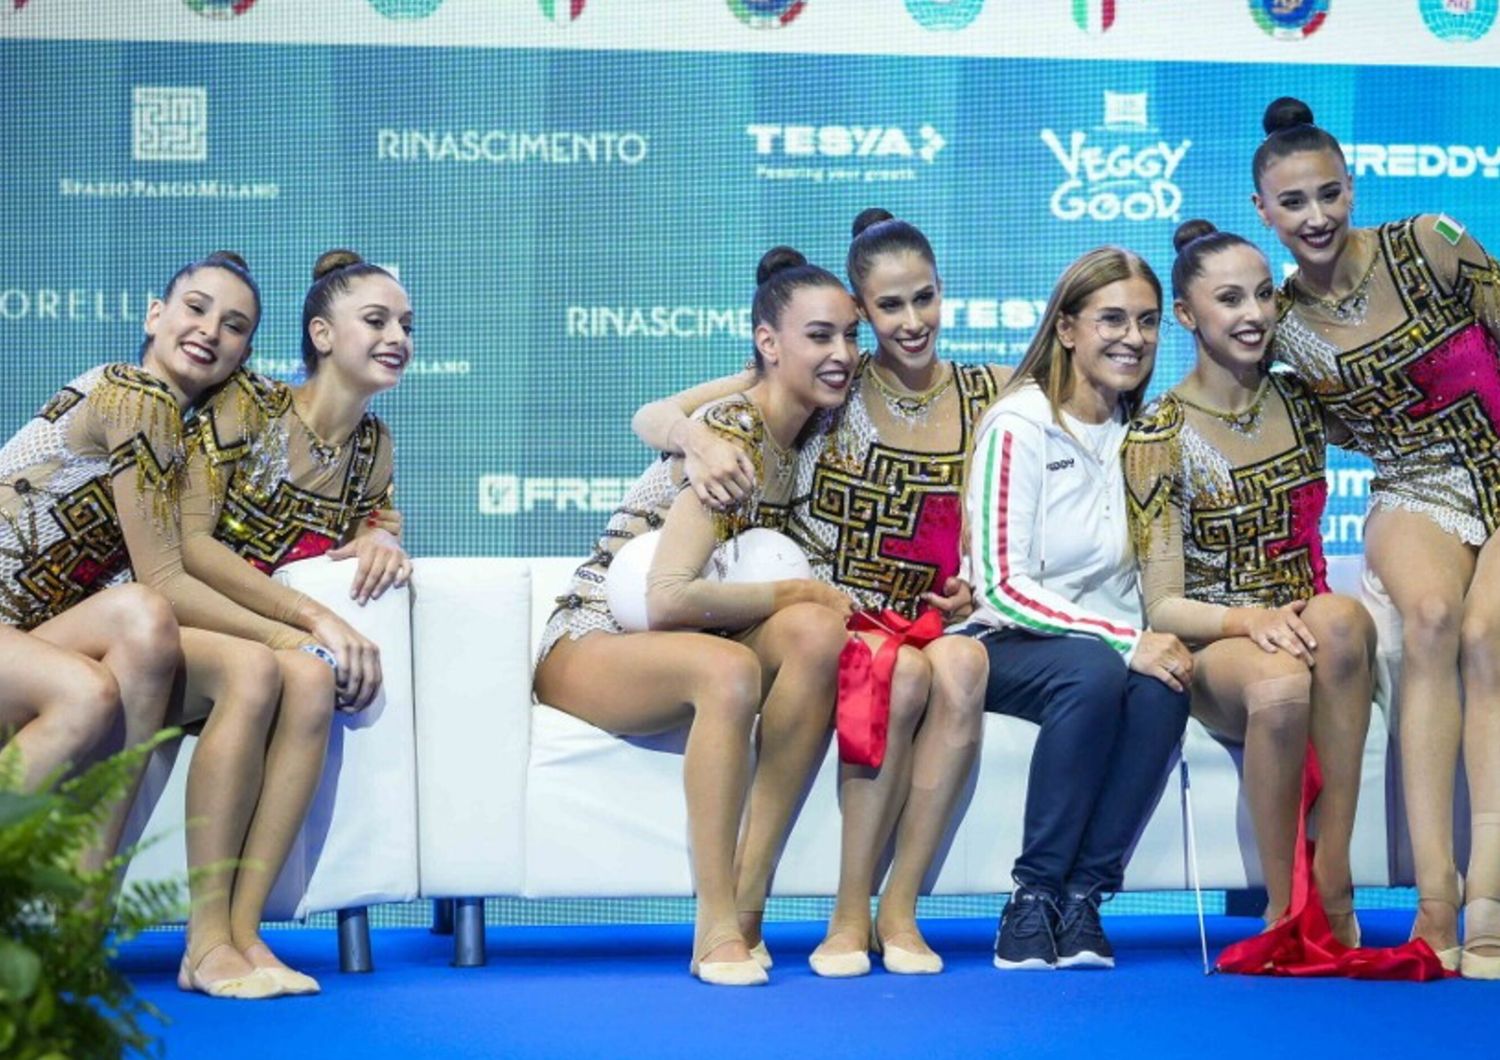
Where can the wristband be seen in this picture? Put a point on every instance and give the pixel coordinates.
(324, 654)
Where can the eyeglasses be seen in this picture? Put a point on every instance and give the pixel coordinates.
(1112, 325)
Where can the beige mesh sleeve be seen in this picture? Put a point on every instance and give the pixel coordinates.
(1156, 530)
(143, 433)
(677, 594)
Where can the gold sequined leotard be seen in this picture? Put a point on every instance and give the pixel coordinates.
(1412, 367)
(279, 492)
(877, 510)
(1228, 513)
(89, 494)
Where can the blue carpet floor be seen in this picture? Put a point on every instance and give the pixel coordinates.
(625, 992)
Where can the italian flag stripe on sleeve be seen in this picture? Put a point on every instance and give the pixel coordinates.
(997, 589)
(1449, 229)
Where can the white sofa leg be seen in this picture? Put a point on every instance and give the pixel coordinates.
(468, 933)
(442, 916)
(354, 940)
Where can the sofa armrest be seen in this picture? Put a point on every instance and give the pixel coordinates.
(359, 844)
(471, 619)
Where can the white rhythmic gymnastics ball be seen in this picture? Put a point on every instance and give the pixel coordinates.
(757, 555)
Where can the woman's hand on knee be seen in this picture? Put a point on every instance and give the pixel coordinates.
(357, 670)
(1164, 657)
(1275, 629)
(792, 591)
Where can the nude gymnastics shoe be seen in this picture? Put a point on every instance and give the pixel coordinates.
(292, 982)
(901, 961)
(761, 956)
(1481, 928)
(840, 965)
(255, 986)
(728, 973)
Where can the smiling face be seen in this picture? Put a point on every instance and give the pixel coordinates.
(201, 333)
(1307, 198)
(1112, 338)
(811, 352)
(1231, 306)
(902, 298)
(366, 335)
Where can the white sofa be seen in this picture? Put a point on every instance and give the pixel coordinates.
(565, 809)
(359, 845)
(455, 785)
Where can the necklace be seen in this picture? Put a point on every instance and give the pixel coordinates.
(1350, 310)
(325, 454)
(1247, 421)
(912, 409)
(786, 460)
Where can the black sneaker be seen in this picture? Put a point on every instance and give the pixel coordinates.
(1081, 942)
(1025, 940)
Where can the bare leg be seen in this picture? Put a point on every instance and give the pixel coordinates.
(59, 704)
(1481, 743)
(638, 683)
(871, 799)
(242, 683)
(1341, 690)
(130, 630)
(1427, 573)
(942, 759)
(799, 655)
(1260, 699)
(294, 765)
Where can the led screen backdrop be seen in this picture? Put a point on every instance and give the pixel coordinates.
(576, 191)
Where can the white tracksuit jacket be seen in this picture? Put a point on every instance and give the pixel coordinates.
(1049, 544)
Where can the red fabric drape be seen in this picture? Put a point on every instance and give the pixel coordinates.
(864, 704)
(1301, 942)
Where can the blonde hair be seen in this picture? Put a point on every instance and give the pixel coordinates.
(1049, 363)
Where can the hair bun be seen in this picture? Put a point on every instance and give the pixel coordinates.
(1189, 231)
(775, 260)
(1287, 112)
(867, 218)
(226, 257)
(331, 260)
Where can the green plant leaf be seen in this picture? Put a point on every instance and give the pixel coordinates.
(43, 1008)
(58, 882)
(60, 998)
(15, 807)
(19, 971)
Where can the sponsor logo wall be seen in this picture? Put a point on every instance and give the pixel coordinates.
(579, 229)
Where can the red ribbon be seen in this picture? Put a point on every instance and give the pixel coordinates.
(864, 707)
(1301, 942)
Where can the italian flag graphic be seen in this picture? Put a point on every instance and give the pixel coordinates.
(1094, 16)
(562, 10)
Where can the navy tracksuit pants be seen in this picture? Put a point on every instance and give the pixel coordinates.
(1101, 758)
